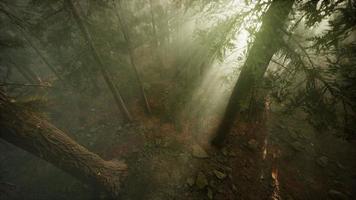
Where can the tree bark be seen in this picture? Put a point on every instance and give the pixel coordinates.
(85, 32)
(132, 59)
(266, 44)
(30, 132)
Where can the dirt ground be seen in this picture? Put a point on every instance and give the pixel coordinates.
(277, 156)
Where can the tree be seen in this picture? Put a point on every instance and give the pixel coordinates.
(267, 42)
(153, 22)
(30, 42)
(27, 73)
(125, 33)
(27, 130)
(85, 32)
(319, 77)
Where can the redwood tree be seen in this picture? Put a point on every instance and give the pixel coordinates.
(267, 42)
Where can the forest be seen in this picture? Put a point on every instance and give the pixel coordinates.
(177, 99)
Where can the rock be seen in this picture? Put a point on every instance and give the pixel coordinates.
(224, 151)
(322, 161)
(219, 174)
(221, 159)
(190, 182)
(297, 146)
(303, 137)
(93, 129)
(212, 183)
(199, 152)
(252, 144)
(340, 166)
(232, 154)
(119, 128)
(222, 191)
(281, 126)
(210, 193)
(234, 188)
(230, 176)
(228, 168)
(201, 181)
(336, 195)
(338, 184)
(165, 143)
(294, 135)
(247, 177)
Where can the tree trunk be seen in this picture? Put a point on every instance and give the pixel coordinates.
(24, 74)
(33, 46)
(267, 42)
(132, 60)
(30, 132)
(27, 73)
(153, 22)
(85, 32)
(156, 42)
(39, 53)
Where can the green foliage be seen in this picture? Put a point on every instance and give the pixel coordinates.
(319, 75)
(313, 71)
(219, 38)
(316, 11)
(342, 22)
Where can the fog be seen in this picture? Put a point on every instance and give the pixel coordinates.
(177, 99)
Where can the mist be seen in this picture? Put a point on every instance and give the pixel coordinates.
(177, 99)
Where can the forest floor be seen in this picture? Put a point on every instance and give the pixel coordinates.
(278, 156)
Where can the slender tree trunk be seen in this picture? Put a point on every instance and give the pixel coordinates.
(27, 73)
(33, 46)
(45, 61)
(32, 74)
(267, 42)
(28, 131)
(39, 53)
(153, 22)
(132, 59)
(85, 32)
(157, 43)
(24, 74)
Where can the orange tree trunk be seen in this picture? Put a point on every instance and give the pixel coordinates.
(266, 44)
(34, 134)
